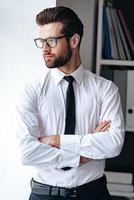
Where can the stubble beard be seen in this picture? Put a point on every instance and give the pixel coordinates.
(60, 60)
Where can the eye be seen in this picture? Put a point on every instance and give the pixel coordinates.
(51, 42)
(39, 43)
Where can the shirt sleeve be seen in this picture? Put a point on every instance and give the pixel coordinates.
(34, 153)
(101, 145)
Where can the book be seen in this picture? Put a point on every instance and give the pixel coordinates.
(119, 177)
(122, 35)
(106, 37)
(128, 12)
(117, 36)
(126, 30)
(119, 187)
(114, 50)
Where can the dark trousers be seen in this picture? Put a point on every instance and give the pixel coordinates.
(100, 192)
(96, 195)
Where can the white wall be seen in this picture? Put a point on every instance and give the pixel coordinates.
(86, 12)
(20, 61)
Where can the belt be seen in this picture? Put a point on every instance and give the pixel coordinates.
(49, 190)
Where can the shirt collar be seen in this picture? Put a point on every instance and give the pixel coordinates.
(58, 75)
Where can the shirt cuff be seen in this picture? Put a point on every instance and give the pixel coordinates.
(68, 159)
(70, 143)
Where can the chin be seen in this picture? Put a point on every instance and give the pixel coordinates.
(52, 66)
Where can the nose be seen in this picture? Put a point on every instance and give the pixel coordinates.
(46, 47)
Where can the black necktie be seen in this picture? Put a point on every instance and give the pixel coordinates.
(70, 110)
(70, 107)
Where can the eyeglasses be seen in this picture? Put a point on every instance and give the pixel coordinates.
(51, 41)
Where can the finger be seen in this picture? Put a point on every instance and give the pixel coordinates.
(102, 125)
(105, 128)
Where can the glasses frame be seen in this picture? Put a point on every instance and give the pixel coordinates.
(45, 40)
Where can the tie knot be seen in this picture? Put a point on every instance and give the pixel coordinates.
(69, 79)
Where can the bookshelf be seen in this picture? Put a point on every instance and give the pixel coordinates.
(99, 59)
(128, 65)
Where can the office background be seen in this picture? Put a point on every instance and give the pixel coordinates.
(21, 61)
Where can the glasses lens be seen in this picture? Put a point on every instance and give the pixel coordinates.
(51, 42)
(39, 43)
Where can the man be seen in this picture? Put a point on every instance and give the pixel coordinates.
(67, 141)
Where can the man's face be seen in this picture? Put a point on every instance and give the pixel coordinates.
(59, 55)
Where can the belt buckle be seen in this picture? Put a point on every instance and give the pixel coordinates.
(74, 193)
(68, 192)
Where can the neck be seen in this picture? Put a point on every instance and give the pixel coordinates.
(72, 65)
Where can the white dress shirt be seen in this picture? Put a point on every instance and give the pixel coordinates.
(41, 112)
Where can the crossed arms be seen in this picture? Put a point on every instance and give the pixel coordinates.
(54, 140)
(69, 150)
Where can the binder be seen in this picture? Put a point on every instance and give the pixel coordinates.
(130, 101)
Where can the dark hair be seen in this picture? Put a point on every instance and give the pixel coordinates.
(71, 22)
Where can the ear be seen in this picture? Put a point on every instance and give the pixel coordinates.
(74, 41)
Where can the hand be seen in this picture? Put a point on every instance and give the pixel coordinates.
(103, 126)
(84, 160)
(53, 140)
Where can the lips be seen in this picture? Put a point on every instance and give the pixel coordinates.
(47, 56)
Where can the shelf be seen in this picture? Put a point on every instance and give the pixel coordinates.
(117, 62)
(129, 129)
(122, 194)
